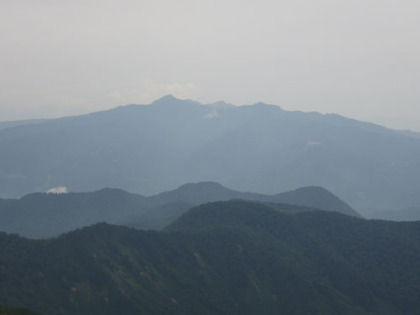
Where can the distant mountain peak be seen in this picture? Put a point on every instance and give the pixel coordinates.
(170, 100)
(202, 185)
(262, 104)
(165, 98)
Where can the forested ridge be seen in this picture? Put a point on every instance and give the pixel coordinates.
(234, 257)
(44, 215)
(16, 311)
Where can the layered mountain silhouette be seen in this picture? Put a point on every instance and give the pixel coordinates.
(232, 257)
(42, 215)
(261, 148)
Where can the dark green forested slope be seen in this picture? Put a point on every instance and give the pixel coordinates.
(231, 257)
(16, 311)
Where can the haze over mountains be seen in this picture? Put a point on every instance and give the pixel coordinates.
(260, 148)
(285, 237)
(42, 215)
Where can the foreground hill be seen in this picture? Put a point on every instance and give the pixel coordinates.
(231, 257)
(259, 148)
(42, 215)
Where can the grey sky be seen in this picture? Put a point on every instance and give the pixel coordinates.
(357, 58)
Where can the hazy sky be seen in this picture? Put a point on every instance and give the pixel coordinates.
(358, 58)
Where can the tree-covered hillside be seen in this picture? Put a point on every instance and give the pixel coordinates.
(16, 311)
(232, 257)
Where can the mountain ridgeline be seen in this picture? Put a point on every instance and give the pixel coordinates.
(261, 148)
(230, 257)
(42, 215)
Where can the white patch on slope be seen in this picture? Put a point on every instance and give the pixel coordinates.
(58, 190)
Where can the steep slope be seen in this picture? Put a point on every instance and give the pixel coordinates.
(42, 215)
(261, 148)
(316, 197)
(232, 257)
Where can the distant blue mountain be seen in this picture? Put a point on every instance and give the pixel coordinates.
(262, 148)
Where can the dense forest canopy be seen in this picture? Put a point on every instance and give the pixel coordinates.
(233, 257)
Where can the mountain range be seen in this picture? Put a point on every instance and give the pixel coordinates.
(45, 215)
(260, 148)
(70, 246)
(230, 257)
